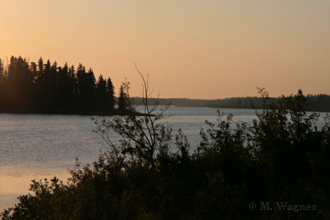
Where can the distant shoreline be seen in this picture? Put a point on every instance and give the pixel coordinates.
(315, 103)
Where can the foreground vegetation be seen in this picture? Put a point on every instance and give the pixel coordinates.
(152, 174)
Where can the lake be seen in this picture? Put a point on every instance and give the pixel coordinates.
(44, 146)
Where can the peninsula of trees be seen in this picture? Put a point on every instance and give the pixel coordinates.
(43, 87)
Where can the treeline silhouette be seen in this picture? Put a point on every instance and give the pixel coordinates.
(320, 102)
(43, 87)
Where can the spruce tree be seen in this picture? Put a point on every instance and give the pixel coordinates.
(121, 101)
(1, 72)
(101, 94)
(111, 94)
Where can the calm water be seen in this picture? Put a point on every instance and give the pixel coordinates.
(42, 146)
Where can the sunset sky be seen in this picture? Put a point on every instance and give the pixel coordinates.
(192, 49)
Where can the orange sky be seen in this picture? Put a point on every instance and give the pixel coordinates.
(193, 49)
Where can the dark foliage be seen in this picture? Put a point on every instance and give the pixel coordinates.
(122, 100)
(49, 88)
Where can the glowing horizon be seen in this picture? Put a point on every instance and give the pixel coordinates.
(192, 49)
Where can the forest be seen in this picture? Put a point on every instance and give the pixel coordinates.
(42, 87)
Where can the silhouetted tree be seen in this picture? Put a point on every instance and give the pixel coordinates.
(19, 84)
(65, 87)
(2, 72)
(90, 86)
(111, 94)
(121, 100)
(40, 70)
(101, 94)
(2, 85)
(34, 72)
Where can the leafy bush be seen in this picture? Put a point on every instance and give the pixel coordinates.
(281, 157)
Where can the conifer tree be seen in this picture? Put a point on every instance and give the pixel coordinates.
(1, 72)
(101, 94)
(121, 100)
(40, 69)
(34, 72)
(90, 83)
(81, 80)
(111, 94)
